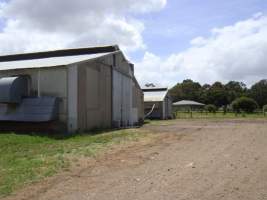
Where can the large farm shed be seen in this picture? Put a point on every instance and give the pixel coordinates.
(158, 103)
(74, 89)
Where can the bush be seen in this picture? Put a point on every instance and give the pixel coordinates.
(264, 109)
(244, 104)
(210, 108)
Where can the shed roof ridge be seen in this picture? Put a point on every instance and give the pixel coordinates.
(59, 53)
(155, 89)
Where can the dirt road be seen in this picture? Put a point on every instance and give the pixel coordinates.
(201, 159)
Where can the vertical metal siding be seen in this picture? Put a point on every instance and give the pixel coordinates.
(53, 83)
(122, 100)
(164, 109)
(135, 96)
(72, 98)
(94, 96)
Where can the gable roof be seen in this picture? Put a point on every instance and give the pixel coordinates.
(47, 62)
(154, 93)
(155, 96)
(188, 103)
(54, 58)
(154, 88)
(59, 53)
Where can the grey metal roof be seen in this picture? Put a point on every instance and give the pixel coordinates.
(59, 53)
(187, 103)
(154, 87)
(48, 62)
(154, 96)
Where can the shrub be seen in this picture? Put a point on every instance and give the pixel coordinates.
(264, 109)
(210, 108)
(244, 104)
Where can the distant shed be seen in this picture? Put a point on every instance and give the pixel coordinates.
(188, 104)
(72, 89)
(157, 102)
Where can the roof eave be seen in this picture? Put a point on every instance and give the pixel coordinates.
(59, 53)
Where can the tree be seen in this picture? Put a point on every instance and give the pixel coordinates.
(264, 109)
(217, 95)
(245, 104)
(187, 90)
(235, 90)
(259, 92)
(210, 108)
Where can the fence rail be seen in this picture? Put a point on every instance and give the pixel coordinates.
(218, 114)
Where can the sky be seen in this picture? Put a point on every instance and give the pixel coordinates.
(167, 40)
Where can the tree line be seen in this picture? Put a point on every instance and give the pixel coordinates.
(222, 95)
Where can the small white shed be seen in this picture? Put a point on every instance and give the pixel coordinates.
(157, 103)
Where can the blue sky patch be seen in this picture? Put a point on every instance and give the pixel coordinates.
(182, 20)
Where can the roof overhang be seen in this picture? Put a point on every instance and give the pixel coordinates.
(154, 96)
(187, 103)
(55, 58)
(59, 53)
(49, 62)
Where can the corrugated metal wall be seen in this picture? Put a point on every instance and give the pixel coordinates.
(157, 112)
(135, 96)
(101, 97)
(94, 96)
(168, 107)
(72, 98)
(162, 109)
(108, 94)
(53, 82)
(122, 100)
(138, 104)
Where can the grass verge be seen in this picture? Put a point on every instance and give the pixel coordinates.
(25, 159)
(203, 115)
(218, 115)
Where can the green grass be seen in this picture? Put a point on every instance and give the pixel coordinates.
(217, 115)
(204, 115)
(25, 159)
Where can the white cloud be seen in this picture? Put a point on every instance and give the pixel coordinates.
(56, 24)
(237, 52)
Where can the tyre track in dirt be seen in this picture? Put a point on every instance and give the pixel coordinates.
(200, 159)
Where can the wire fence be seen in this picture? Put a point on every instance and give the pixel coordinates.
(217, 114)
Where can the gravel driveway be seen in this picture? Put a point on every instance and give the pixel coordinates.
(200, 159)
